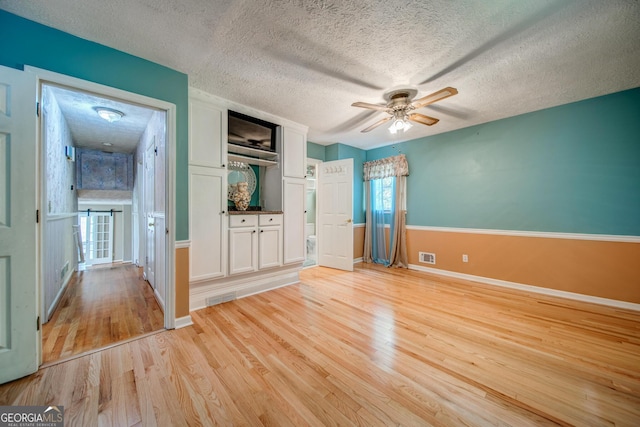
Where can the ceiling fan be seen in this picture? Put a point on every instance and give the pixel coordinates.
(400, 106)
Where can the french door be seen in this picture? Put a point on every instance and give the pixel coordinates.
(97, 237)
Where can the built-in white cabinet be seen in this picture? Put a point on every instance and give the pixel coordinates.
(293, 206)
(207, 133)
(207, 222)
(294, 153)
(269, 241)
(243, 247)
(255, 242)
(235, 254)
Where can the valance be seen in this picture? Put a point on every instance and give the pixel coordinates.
(384, 168)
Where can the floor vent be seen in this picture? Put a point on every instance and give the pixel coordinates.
(220, 299)
(427, 257)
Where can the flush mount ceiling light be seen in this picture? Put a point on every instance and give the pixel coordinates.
(109, 114)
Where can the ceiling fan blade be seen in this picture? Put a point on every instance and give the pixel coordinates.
(376, 124)
(370, 106)
(422, 119)
(434, 97)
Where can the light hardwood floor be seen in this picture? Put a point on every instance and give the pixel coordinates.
(101, 306)
(373, 347)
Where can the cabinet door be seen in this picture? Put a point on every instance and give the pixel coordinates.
(207, 134)
(242, 250)
(207, 200)
(294, 153)
(270, 247)
(294, 220)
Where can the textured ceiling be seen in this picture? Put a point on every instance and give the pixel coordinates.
(88, 130)
(308, 60)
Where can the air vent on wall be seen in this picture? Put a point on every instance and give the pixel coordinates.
(427, 257)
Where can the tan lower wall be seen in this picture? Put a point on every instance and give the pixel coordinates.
(358, 242)
(182, 282)
(596, 268)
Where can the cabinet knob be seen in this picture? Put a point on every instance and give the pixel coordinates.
(270, 219)
(243, 220)
(224, 166)
(262, 231)
(305, 211)
(253, 231)
(223, 212)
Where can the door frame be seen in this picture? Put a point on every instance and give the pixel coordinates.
(43, 76)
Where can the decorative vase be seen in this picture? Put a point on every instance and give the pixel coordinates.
(241, 196)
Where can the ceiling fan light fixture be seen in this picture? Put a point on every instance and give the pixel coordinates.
(109, 114)
(401, 123)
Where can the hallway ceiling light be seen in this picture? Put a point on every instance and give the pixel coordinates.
(109, 114)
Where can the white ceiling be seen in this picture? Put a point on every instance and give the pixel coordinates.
(309, 60)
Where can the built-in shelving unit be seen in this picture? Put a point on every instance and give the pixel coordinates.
(252, 156)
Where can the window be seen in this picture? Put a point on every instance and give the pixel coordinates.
(387, 193)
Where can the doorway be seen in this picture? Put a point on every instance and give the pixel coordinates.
(311, 214)
(91, 206)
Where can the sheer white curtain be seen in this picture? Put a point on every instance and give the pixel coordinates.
(376, 248)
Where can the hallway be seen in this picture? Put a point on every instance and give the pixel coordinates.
(101, 306)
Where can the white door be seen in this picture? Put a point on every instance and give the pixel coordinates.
(97, 232)
(335, 207)
(19, 350)
(149, 208)
(207, 218)
(243, 251)
(269, 247)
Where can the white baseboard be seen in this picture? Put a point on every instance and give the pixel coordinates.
(159, 299)
(357, 260)
(183, 322)
(56, 300)
(529, 288)
(240, 286)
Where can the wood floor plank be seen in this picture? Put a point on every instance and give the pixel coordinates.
(373, 347)
(100, 307)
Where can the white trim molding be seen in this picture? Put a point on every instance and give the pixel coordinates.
(529, 288)
(542, 234)
(183, 322)
(201, 294)
(183, 244)
(359, 225)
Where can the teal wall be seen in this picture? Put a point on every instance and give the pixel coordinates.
(573, 168)
(340, 152)
(315, 151)
(28, 43)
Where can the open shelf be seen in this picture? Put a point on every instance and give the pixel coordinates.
(252, 152)
(252, 160)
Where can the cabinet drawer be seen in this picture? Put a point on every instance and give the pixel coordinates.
(243, 220)
(270, 220)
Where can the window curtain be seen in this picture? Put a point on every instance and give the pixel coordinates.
(376, 248)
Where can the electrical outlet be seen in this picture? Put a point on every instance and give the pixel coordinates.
(465, 258)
